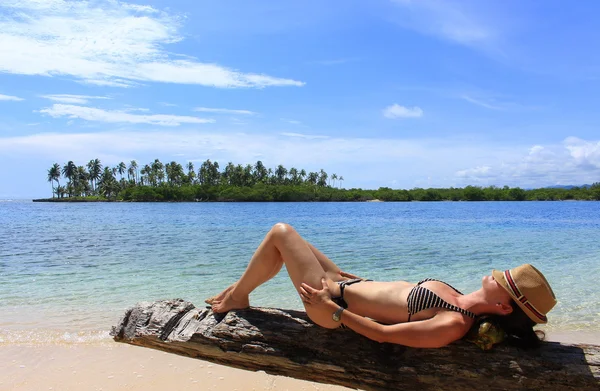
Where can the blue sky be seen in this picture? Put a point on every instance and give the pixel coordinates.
(394, 93)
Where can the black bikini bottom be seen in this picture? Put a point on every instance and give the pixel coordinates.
(343, 284)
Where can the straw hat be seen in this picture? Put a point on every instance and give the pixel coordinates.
(529, 289)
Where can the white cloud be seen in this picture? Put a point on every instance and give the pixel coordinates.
(498, 104)
(238, 147)
(474, 173)
(450, 20)
(237, 121)
(586, 154)
(397, 111)
(481, 103)
(300, 135)
(574, 161)
(535, 149)
(291, 121)
(10, 97)
(223, 111)
(108, 43)
(68, 98)
(100, 115)
(139, 109)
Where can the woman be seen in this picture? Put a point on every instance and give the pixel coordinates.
(428, 314)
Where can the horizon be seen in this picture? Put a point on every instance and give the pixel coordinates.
(387, 93)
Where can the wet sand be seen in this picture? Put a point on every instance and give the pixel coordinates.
(110, 366)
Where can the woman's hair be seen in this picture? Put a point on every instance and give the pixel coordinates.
(518, 328)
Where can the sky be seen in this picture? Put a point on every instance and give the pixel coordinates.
(386, 93)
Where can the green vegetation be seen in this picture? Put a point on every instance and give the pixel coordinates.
(170, 182)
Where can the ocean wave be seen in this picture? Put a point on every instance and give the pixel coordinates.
(53, 337)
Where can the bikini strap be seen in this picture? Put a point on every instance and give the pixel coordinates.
(443, 282)
(343, 284)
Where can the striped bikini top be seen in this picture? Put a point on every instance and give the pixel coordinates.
(421, 298)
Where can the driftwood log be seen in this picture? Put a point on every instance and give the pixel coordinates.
(283, 342)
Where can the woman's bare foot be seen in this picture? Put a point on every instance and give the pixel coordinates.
(229, 303)
(220, 296)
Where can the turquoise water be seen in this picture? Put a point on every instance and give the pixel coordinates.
(68, 271)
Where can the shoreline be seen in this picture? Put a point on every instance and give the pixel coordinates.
(64, 337)
(68, 200)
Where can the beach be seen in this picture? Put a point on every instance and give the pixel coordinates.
(68, 272)
(112, 366)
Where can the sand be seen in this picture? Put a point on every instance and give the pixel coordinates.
(111, 366)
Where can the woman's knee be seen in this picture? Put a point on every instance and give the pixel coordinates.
(281, 230)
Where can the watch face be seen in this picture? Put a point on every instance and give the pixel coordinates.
(337, 315)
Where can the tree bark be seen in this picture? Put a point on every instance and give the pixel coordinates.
(287, 343)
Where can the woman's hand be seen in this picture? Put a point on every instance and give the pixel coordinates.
(312, 296)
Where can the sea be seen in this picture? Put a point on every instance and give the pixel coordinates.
(69, 271)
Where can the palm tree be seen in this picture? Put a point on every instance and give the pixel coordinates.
(158, 173)
(60, 191)
(280, 173)
(133, 166)
(54, 175)
(191, 174)
(174, 173)
(108, 184)
(270, 177)
(228, 173)
(322, 182)
(302, 175)
(95, 169)
(238, 175)
(248, 177)
(341, 179)
(68, 172)
(260, 172)
(333, 178)
(294, 175)
(82, 187)
(69, 189)
(131, 174)
(215, 174)
(121, 168)
(146, 172)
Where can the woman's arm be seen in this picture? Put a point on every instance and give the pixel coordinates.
(436, 332)
(442, 329)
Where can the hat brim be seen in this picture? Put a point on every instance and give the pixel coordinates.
(499, 277)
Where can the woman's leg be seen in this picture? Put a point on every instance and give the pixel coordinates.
(331, 269)
(303, 262)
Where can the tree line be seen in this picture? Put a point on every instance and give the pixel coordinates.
(96, 180)
(173, 182)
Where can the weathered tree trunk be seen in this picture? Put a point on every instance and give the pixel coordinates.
(287, 343)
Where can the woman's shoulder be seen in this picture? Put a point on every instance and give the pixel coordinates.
(456, 320)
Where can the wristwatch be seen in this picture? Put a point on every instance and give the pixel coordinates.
(337, 315)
